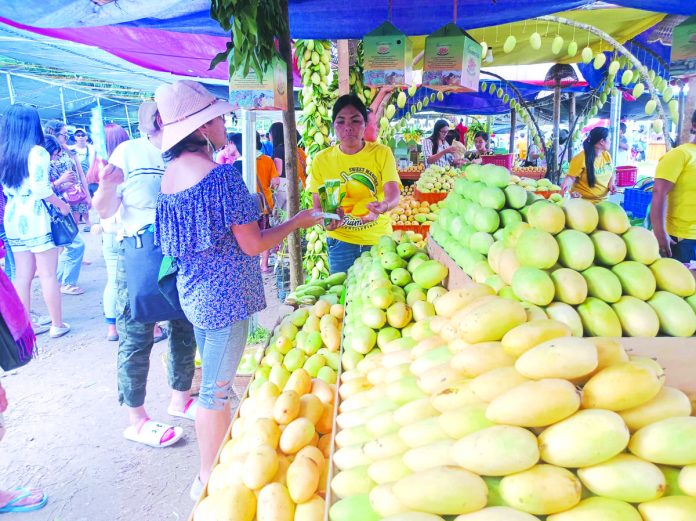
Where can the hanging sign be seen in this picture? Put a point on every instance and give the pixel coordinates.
(388, 57)
(247, 92)
(452, 60)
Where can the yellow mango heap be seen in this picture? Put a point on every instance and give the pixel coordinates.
(489, 413)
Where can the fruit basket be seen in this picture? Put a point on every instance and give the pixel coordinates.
(431, 197)
(415, 228)
(498, 159)
(626, 176)
(530, 172)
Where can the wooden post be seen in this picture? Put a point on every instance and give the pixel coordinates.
(571, 120)
(614, 123)
(290, 143)
(513, 128)
(343, 67)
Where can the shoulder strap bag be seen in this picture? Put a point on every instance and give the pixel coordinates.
(63, 227)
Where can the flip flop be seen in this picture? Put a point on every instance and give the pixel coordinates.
(24, 493)
(162, 336)
(68, 289)
(189, 411)
(152, 433)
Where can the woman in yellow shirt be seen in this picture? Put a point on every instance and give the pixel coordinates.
(591, 173)
(370, 184)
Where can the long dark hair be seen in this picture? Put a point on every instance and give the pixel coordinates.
(276, 133)
(191, 143)
(53, 126)
(20, 130)
(51, 145)
(435, 136)
(596, 135)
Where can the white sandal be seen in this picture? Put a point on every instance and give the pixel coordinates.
(57, 332)
(149, 432)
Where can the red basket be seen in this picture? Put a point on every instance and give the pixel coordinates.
(416, 228)
(626, 175)
(544, 193)
(529, 174)
(431, 198)
(498, 159)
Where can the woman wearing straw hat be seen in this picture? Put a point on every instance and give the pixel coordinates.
(207, 221)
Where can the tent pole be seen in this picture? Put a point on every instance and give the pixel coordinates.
(62, 105)
(130, 129)
(552, 158)
(513, 127)
(614, 119)
(571, 120)
(9, 88)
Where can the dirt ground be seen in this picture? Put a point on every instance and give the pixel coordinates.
(65, 425)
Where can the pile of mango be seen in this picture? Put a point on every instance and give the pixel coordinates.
(437, 179)
(412, 212)
(330, 289)
(485, 413)
(387, 288)
(577, 262)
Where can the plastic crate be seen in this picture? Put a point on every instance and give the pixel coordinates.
(498, 159)
(416, 228)
(431, 197)
(626, 176)
(636, 202)
(530, 175)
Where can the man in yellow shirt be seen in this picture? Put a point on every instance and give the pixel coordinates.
(370, 184)
(591, 173)
(673, 212)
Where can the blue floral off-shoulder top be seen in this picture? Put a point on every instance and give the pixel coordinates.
(218, 283)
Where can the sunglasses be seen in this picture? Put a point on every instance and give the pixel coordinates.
(80, 134)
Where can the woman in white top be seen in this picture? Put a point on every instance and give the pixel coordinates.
(24, 166)
(436, 149)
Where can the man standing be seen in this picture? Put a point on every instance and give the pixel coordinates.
(673, 212)
(129, 185)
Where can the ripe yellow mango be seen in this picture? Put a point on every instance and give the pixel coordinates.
(397, 373)
(358, 435)
(448, 304)
(382, 424)
(312, 510)
(442, 490)
(436, 454)
(311, 408)
(260, 466)
(491, 320)
(286, 407)
(535, 404)
(422, 432)
(497, 513)
(384, 501)
(620, 387)
(589, 437)
(350, 482)
(235, 503)
(669, 508)
(431, 359)
(274, 504)
(404, 390)
(262, 431)
(598, 508)
(427, 344)
(303, 477)
(541, 490)
(322, 390)
(564, 357)
(385, 447)
(353, 386)
(349, 457)
(388, 470)
(300, 381)
(497, 451)
(297, 434)
(325, 423)
(414, 411)
(671, 441)
(491, 384)
(668, 403)
(525, 336)
(225, 475)
(476, 359)
(464, 420)
(438, 378)
(687, 480)
(455, 396)
(626, 478)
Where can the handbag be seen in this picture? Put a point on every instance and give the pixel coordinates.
(142, 262)
(166, 280)
(63, 227)
(75, 194)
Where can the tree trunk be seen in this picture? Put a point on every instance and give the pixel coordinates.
(290, 143)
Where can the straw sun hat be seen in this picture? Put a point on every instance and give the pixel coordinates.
(184, 106)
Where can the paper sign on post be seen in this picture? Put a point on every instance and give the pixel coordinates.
(247, 92)
(452, 60)
(388, 57)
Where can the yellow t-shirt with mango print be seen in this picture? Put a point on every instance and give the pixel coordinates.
(363, 176)
(678, 166)
(604, 171)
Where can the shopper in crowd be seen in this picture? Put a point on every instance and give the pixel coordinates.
(128, 186)
(277, 138)
(9, 259)
(673, 211)
(208, 221)
(266, 145)
(72, 185)
(85, 155)
(624, 154)
(77, 195)
(24, 169)
(369, 182)
(436, 149)
(229, 153)
(591, 173)
(266, 181)
(481, 147)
